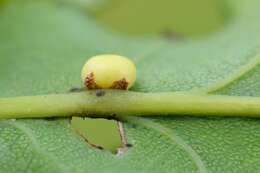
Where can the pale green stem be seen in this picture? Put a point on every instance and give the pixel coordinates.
(123, 103)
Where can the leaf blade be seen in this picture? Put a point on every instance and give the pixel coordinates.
(55, 53)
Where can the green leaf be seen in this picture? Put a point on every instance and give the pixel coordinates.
(42, 48)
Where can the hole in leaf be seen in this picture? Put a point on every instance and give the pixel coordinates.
(101, 133)
(181, 17)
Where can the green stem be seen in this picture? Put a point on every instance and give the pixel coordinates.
(107, 103)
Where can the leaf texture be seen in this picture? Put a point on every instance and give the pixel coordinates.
(42, 48)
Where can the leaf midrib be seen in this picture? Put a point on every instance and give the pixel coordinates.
(235, 76)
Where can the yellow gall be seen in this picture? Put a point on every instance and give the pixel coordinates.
(108, 71)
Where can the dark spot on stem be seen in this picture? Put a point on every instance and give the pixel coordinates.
(100, 93)
(76, 89)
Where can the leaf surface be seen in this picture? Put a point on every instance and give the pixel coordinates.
(42, 48)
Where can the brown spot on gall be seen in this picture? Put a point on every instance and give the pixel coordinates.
(120, 84)
(90, 81)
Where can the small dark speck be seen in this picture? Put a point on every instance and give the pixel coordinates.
(75, 89)
(100, 93)
(129, 145)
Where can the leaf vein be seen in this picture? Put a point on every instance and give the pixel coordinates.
(28, 132)
(174, 138)
(236, 75)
